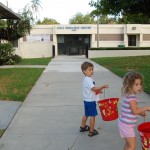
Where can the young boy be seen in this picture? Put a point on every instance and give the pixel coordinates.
(89, 94)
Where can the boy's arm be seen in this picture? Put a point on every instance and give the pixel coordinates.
(98, 89)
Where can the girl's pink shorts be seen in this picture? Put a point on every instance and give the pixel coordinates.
(125, 130)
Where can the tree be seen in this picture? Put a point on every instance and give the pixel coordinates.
(2, 23)
(104, 19)
(47, 21)
(79, 18)
(133, 11)
(14, 28)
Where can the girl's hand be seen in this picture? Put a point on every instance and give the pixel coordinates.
(143, 114)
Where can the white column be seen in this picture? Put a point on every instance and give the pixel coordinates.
(93, 42)
(125, 40)
(55, 43)
(141, 40)
(97, 25)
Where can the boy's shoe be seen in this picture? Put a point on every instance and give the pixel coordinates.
(83, 129)
(93, 133)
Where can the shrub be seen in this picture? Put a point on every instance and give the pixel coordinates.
(16, 58)
(6, 53)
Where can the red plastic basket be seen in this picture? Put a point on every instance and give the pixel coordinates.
(109, 108)
(144, 130)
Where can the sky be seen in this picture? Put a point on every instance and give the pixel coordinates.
(60, 10)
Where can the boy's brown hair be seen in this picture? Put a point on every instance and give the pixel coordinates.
(86, 65)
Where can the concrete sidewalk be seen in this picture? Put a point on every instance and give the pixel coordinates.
(50, 116)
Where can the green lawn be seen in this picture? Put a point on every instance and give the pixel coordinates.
(121, 65)
(35, 61)
(1, 132)
(16, 83)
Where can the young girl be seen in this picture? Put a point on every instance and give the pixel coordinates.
(132, 84)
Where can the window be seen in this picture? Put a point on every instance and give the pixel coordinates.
(60, 39)
(110, 37)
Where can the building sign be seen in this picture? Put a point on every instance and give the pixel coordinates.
(38, 38)
(74, 28)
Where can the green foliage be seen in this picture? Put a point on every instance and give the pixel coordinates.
(6, 53)
(1, 132)
(47, 21)
(35, 61)
(7, 56)
(2, 23)
(17, 82)
(32, 10)
(134, 11)
(104, 19)
(82, 19)
(134, 19)
(16, 58)
(121, 65)
(15, 28)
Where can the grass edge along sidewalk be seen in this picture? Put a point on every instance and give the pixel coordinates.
(1, 132)
(16, 83)
(121, 65)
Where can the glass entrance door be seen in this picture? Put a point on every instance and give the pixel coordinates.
(73, 44)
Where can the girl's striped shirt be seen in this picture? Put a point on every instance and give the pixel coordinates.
(126, 115)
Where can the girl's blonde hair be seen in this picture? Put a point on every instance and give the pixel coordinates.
(129, 80)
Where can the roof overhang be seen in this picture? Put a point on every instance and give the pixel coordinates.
(6, 13)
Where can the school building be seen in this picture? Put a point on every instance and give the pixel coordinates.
(75, 38)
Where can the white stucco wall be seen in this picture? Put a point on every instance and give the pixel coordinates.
(117, 53)
(28, 49)
(36, 50)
